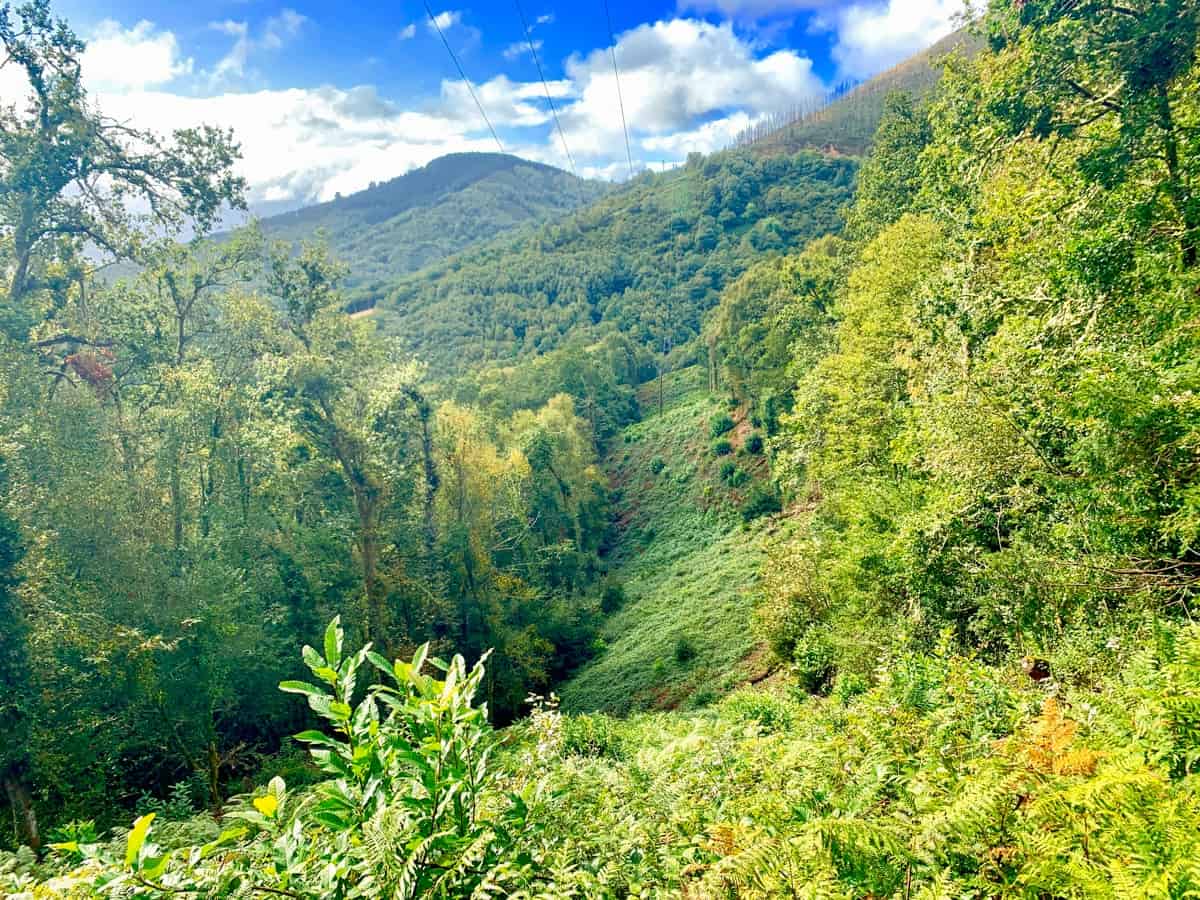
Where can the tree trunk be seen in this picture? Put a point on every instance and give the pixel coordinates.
(20, 799)
(1176, 187)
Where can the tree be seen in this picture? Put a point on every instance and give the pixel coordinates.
(890, 178)
(69, 177)
(1120, 74)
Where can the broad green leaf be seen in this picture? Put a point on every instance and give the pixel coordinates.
(316, 737)
(228, 836)
(137, 837)
(154, 866)
(333, 642)
(311, 657)
(379, 662)
(301, 687)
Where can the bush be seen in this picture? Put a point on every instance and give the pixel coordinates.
(657, 465)
(728, 467)
(722, 448)
(761, 500)
(754, 443)
(685, 649)
(768, 712)
(591, 735)
(612, 598)
(720, 424)
(813, 662)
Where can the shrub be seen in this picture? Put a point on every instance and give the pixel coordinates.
(768, 712)
(720, 424)
(392, 759)
(657, 465)
(761, 500)
(685, 649)
(612, 598)
(722, 448)
(728, 467)
(754, 443)
(813, 662)
(591, 735)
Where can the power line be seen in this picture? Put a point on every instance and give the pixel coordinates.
(545, 87)
(612, 46)
(465, 79)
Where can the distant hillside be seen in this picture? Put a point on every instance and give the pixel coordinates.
(648, 260)
(847, 124)
(427, 214)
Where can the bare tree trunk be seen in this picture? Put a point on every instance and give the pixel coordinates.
(25, 824)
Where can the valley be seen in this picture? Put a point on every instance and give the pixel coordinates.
(819, 517)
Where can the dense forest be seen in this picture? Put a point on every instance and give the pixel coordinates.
(850, 505)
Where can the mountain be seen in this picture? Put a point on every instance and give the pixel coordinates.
(455, 201)
(648, 260)
(848, 124)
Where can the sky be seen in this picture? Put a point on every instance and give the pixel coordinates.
(326, 97)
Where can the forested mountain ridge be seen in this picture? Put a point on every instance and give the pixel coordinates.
(936, 475)
(418, 218)
(646, 261)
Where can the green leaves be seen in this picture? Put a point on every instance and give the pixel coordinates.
(333, 642)
(136, 838)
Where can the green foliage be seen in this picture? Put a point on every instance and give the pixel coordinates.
(761, 500)
(753, 443)
(657, 465)
(525, 295)
(408, 811)
(721, 448)
(719, 425)
(685, 649)
(683, 562)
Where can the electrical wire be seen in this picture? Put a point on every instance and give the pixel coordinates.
(545, 86)
(612, 46)
(465, 79)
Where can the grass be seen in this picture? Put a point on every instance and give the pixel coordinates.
(688, 566)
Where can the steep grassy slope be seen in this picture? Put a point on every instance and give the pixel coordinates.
(688, 566)
(453, 202)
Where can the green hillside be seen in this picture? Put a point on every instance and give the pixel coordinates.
(420, 217)
(648, 260)
(790, 525)
(686, 565)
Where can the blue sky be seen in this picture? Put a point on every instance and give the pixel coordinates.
(327, 97)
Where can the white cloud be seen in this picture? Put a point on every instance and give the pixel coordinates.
(754, 9)
(687, 85)
(872, 37)
(544, 19)
(277, 31)
(282, 28)
(408, 32)
(118, 59)
(305, 145)
(674, 73)
(507, 103)
(446, 20)
(707, 138)
(520, 48)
